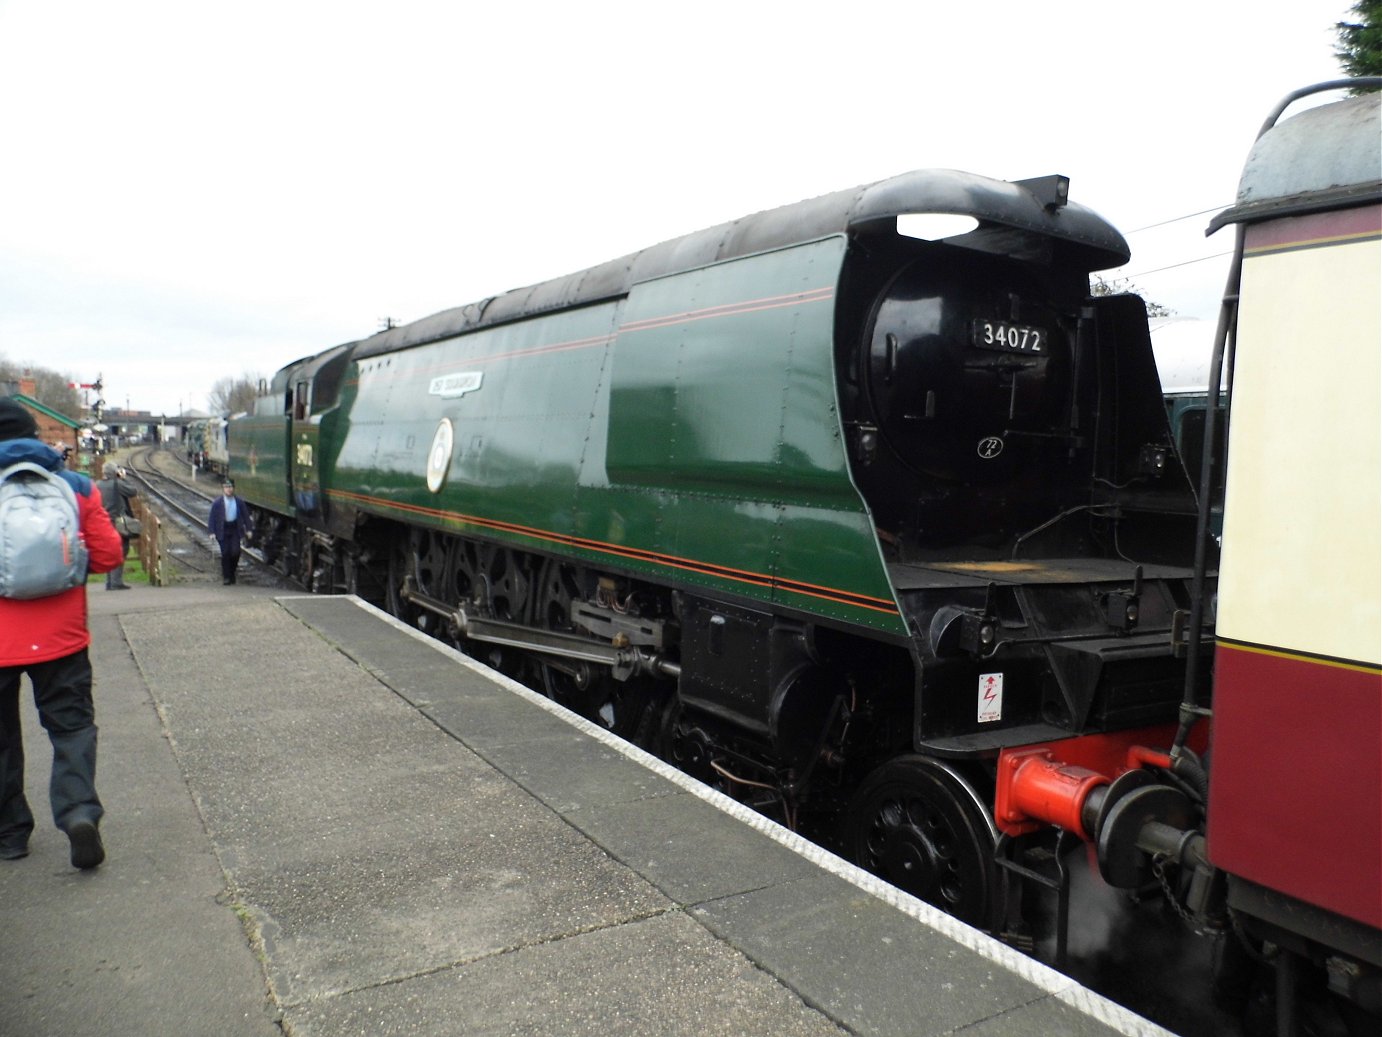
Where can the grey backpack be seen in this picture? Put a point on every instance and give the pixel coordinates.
(41, 549)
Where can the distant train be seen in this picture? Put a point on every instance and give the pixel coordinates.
(883, 529)
(204, 441)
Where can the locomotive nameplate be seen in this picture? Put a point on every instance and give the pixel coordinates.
(450, 386)
(1005, 337)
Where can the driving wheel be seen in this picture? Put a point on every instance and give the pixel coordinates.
(918, 824)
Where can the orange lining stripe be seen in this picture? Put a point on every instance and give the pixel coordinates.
(451, 362)
(842, 597)
(772, 302)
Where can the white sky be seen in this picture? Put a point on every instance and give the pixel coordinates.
(191, 191)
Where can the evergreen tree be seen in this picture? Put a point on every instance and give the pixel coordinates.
(1360, 42)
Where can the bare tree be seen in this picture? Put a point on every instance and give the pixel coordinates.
(233, 395)
(52, 388)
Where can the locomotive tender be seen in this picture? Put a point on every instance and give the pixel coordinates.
(830, 514)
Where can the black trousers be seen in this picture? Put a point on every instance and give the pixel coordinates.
(230, 551)
(62, 693)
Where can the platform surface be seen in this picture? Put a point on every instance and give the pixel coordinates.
(322, 823)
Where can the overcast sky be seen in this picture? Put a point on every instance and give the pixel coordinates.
(191, 191)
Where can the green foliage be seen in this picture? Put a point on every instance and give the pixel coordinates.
(1122, 286)
(1360, 42)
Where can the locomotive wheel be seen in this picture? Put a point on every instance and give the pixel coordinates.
(305, 565)
(617, 706)
(291, 552)
(493, 581)
(493, 576)
(557, 588)
(429, 554)
(916, 823)
(401, 565)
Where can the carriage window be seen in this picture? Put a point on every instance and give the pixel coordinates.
(301, 401)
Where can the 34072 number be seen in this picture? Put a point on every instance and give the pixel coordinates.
(1007, 337)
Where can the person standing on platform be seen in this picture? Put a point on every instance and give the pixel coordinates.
(227, 524)
(47, 638)
(117, 501)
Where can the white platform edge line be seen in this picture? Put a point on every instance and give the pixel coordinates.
(1058, 985)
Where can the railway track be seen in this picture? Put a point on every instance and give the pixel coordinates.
(175, 490)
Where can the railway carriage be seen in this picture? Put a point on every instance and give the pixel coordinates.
(1280, 845)
(1298, 667)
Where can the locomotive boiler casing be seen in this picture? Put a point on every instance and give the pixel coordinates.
(684, 432)
(691, 416)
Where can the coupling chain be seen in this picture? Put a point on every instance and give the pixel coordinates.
(1159, 861)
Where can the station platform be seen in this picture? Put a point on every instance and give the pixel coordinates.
(320, 822)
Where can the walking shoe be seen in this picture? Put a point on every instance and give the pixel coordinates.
(87, 851)
(13, 853)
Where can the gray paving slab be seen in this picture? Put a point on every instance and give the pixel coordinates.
(900, 979)
(663, 976)
(682, 844)
(899, 968)
(570, 772)
(367, 845)
(146, 944)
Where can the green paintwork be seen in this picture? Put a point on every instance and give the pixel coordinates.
(688, 432)
(257, 458)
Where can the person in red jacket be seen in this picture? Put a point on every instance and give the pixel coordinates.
(47, 638)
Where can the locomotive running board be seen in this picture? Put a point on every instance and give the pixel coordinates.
(623, 662)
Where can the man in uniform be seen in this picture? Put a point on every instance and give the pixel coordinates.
(227, 524)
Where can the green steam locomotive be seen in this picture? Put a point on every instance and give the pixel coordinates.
(833, 506)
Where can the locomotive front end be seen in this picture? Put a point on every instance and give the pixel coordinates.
(1008, 433)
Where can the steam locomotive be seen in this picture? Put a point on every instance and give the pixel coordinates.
(866, 512)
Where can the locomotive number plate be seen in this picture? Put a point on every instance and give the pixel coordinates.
(1007, 337)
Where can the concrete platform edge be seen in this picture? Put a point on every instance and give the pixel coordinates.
(1058, 986)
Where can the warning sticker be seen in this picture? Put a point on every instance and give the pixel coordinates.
(990, 697)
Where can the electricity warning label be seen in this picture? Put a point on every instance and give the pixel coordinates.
(990, 697)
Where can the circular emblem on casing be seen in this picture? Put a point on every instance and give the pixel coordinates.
(439, 456)
(990, 447)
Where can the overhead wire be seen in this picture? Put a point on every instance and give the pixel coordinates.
(1188, 262)
(1177, 219)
